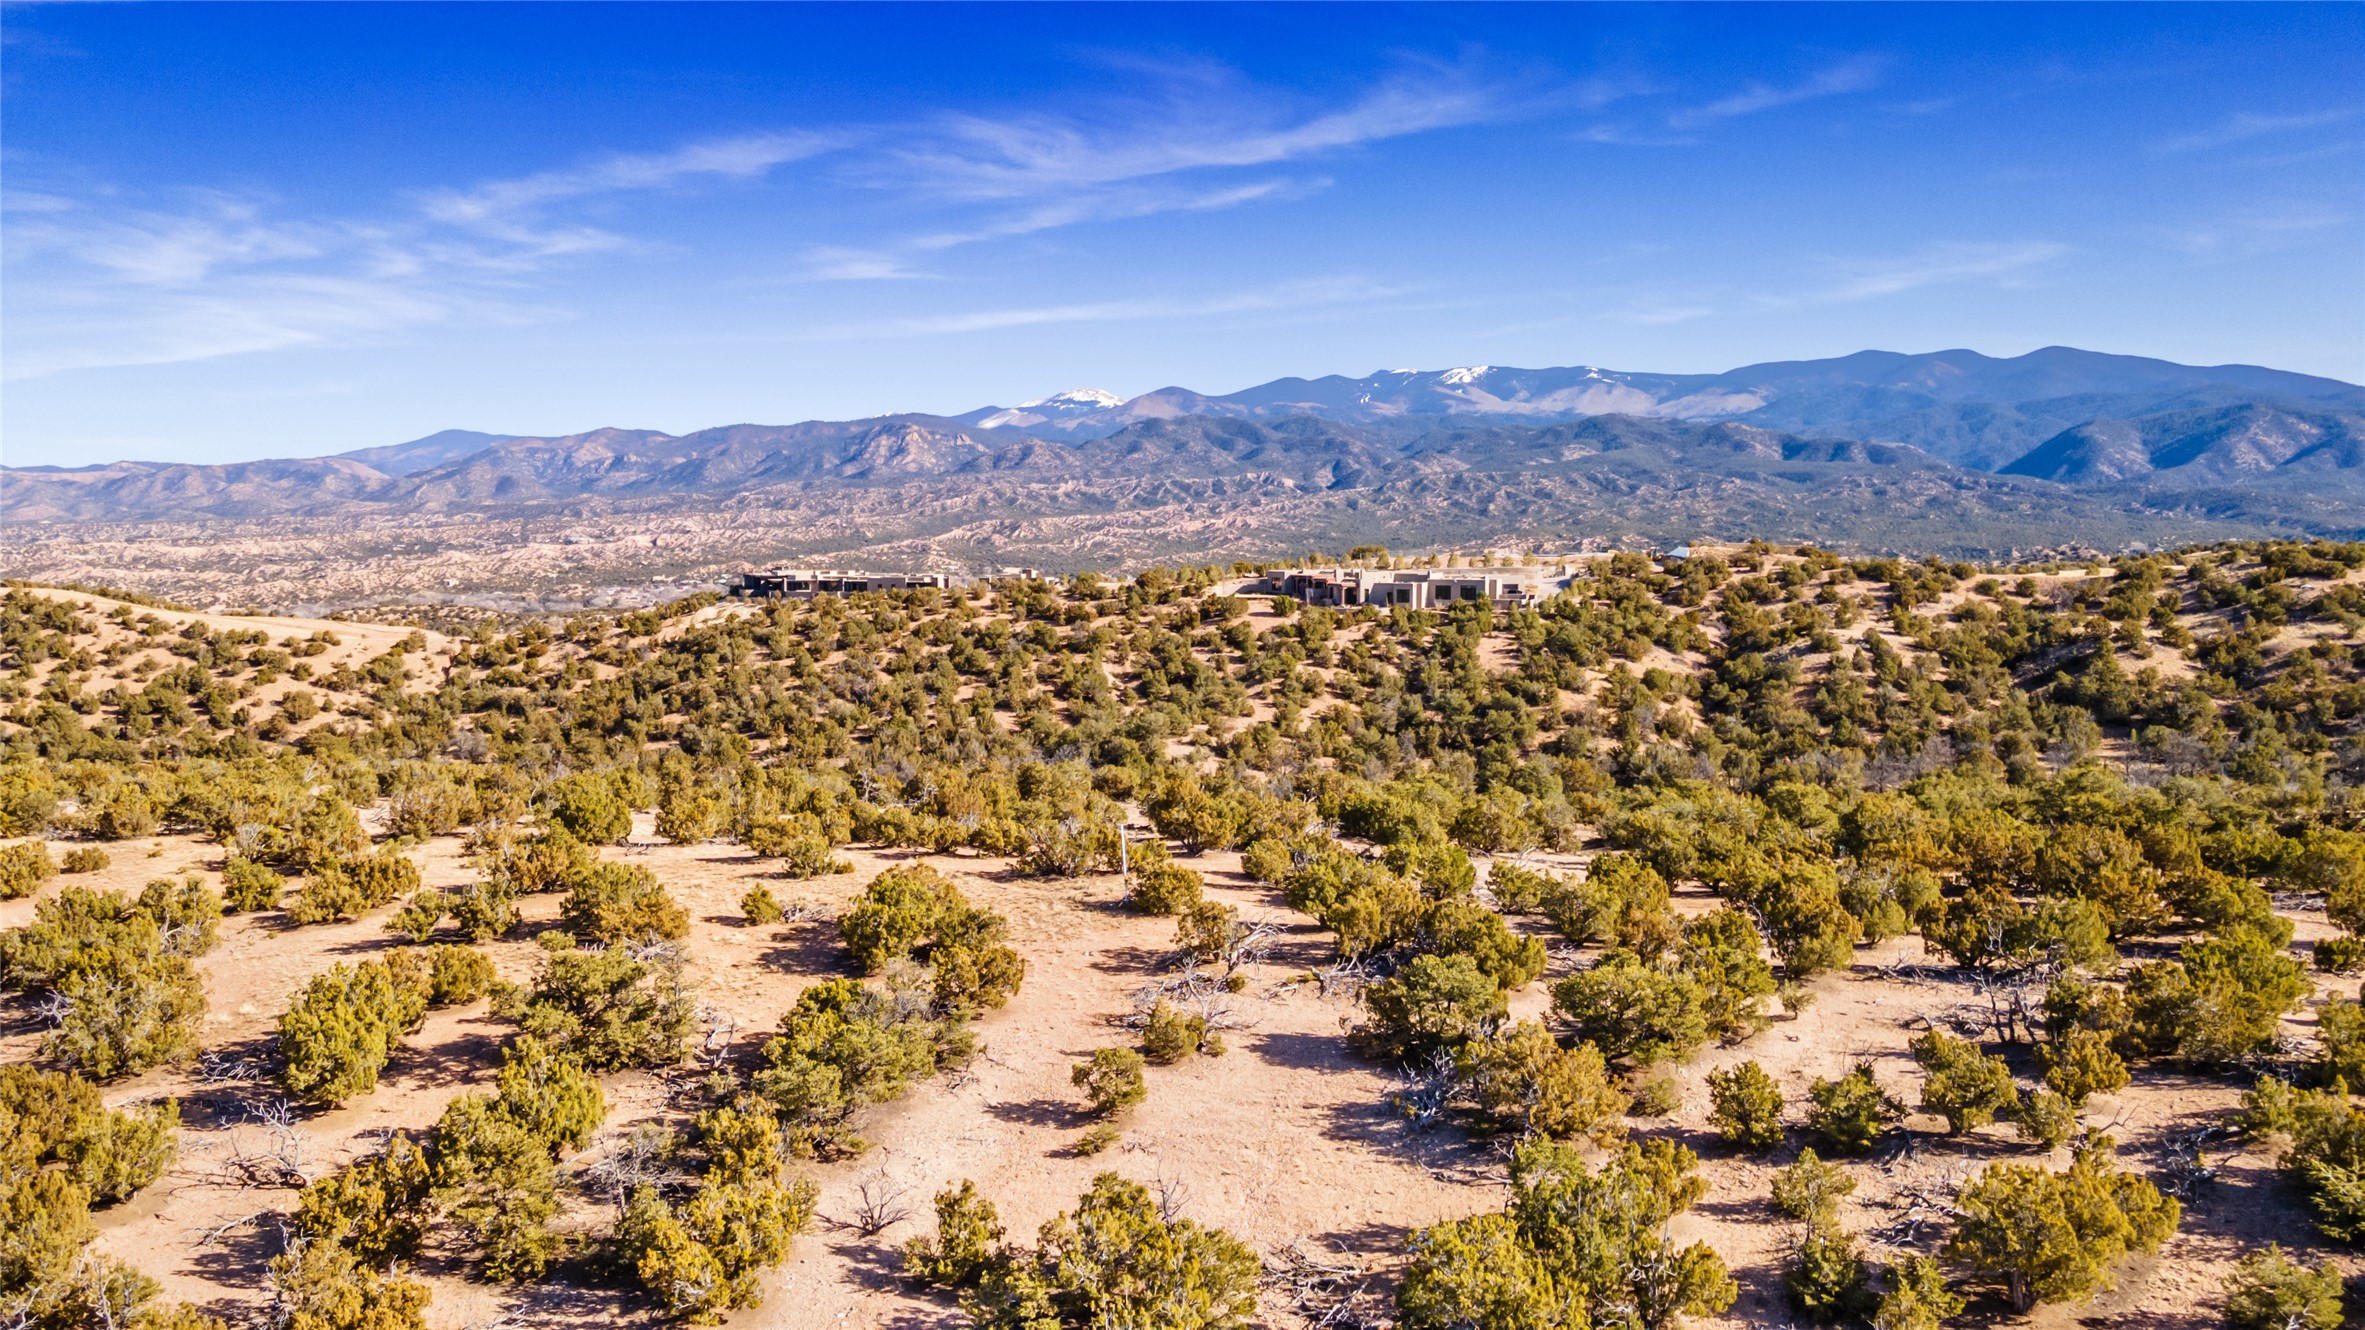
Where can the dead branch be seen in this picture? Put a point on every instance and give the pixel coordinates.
(1330, 1289)
(878, 1205)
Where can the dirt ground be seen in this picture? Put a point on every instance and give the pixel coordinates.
(1286, 1140)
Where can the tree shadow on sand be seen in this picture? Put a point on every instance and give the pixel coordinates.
(809, 946)
(1058, 1114)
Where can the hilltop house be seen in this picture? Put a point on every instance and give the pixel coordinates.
(1416, 588)
(806, 583)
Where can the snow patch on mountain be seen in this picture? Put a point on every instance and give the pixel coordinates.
(1075, 399)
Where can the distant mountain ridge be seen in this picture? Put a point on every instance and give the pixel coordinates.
(2137, 433)
(1971, 409)
(403, 459)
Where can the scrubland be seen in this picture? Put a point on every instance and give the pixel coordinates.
(1761, 938)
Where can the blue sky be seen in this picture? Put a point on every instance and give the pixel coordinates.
(276, 230)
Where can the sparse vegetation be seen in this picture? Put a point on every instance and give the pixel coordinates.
(1680, 789)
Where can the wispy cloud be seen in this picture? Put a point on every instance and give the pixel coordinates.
(1657, 313)
(1167, 149)
(203, 273)
(840, 263)
(1840, 281)
(1856, 74)
(510, 210)
(2256, 230)
(99, 278)
(2247, 125)
(240, 314)
(1934, 265)
(1286, 296)
(1118, 204)
(1187, 130)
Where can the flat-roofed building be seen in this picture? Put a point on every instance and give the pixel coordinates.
(1415, 588)
(806, 583)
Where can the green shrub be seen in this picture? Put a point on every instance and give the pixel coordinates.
(1656, 1097)
(1827, 1279)
(1114, 1261)
(1097, 1138)
(2221, 1002)
(2341, 955)
(2270, 1291)
(1522, 1076)
(2047, 1118)
(590, 808)
(688, 815)
(702, 1258)
(897, 914)
(1111, 1081)
(549, 1095)
(417, 920)
(457, 975)
(115, 1153)
(1719, 951)
(128, 998)
(1851, 1112)
(761, 907)
(1443, 870)
(1210, 931)
(913, 911)
(482, 910)
(121, 812)
(1617, 893)
(968, 1238)
(123, 1021)
(340, 1031)
(320, 1285)
(56, 1117)
(1464, 927)
(2322, 1149)
(1811, 1189)
(343, 888)
(1966, 1087)
(85, 859)
(609, 1009)
(1640, 1013)
(376, 1207)
(1746, 1107)
(548, 862)
(1479, 1272)
(1574, 1246)
(1164, 888)
(1170, 1034)
(2052, 1237)
(24, 867)
(2079, 1063)
(844, 1046)
(1434, 1003)
(494, 1182)
(1917, 1297)
(1517, 890)
(28, 798)
(800, 843)
(614, 904)
(248, 886)
(1268, 860)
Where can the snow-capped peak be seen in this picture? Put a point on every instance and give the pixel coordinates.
(1466, 374)
(1076, 399)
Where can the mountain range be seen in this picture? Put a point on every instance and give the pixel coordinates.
(2074, 435)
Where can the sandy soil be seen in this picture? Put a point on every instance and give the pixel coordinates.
(1284, 1139)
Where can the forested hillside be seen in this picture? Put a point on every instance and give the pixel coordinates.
(1765, 935)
